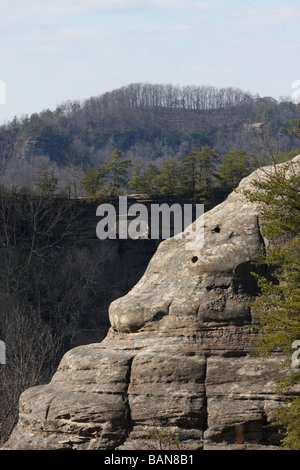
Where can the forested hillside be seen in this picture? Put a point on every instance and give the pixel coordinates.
(147, 123)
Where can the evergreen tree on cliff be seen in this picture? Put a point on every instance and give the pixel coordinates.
(117, 169)
(235, 165)
(197, 171)
(107, 179)
(278, 306)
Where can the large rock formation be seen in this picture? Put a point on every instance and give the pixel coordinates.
(177, 356)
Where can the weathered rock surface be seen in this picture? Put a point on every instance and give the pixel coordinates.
(177, 355)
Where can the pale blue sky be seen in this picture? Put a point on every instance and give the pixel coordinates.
(55, 50)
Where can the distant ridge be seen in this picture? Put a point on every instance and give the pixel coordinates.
(147, 122)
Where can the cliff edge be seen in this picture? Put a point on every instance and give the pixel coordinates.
(177, 357)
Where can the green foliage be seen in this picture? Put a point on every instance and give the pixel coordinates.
(279, 194)
(193, 176)
(278, 306)
(295, 126)
(168, 178)
(150, 178)
(136, 182)
(190, 172)
(207, 158)
(236, 164)
(160, 439)
(281, 156)
(107, 179)
(116, 172)
(197, 171)
(289, 418)
(93, 180)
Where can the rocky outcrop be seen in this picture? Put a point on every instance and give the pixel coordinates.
(177, 357)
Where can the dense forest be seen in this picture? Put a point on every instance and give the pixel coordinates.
(148, 123)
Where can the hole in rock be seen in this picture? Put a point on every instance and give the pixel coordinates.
(194, 259)
(159, 315)
(216, 229)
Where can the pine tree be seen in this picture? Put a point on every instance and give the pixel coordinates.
(150, 179)
(235, 165)
(207, 158)
(278, 306)
(168, 178)
(198, 172)
(136, 181)
(189, 167)
(94, 180)
(117, 172)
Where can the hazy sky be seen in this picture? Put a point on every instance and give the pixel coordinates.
(58, 50)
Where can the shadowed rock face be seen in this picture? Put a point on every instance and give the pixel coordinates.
(177, 355)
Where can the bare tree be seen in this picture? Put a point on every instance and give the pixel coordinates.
(31, 355)
(266, 146)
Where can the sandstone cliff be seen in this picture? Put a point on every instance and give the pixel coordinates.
(177, 356)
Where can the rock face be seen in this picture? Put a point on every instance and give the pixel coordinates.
(177, 357)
